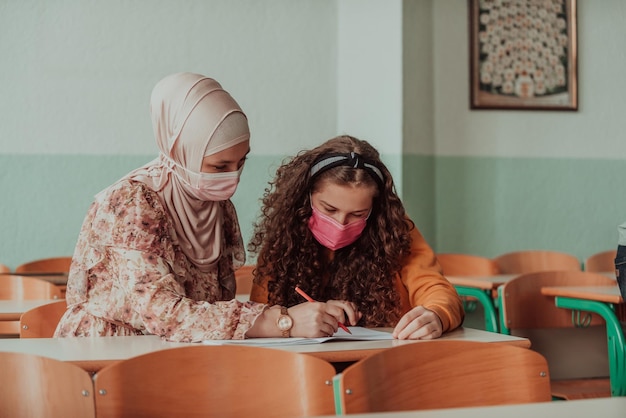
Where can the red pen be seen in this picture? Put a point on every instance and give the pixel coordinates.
(310, 299)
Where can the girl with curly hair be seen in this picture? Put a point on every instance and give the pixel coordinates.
(332, 224)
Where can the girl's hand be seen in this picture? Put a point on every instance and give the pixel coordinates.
(310, 319)
(418, 324)
(317, 319)
(350, 310)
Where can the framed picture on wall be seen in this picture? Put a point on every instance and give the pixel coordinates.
(523, 54)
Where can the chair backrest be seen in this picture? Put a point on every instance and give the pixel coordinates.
(4, 268)
(46, 265)
(35, 386)
(22, 287)
(602, 262)
(574, 343)
(530, 261)
(443, 374)
(42, 321)
(466, 265)
(221, 381)
(522, 306)
(244, 278)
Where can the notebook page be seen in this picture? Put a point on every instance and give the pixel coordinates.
(358, 334)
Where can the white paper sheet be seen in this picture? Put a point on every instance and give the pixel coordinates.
(358, 334)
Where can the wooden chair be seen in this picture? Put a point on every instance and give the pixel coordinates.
(22, 287)
(46, 265)
(454, 264)
(244, 278)
(524, 311)
(442, 374)
(4, 268)
(220, 381)
(35, 386)
(602, 262)
(41, 322)
(466, 265)
(530, 261)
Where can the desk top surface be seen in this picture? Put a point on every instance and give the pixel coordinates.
(107, 349)
(609, 294)
(605, 407)
(481, 282)
(11, 310)
(56, 278)
(492, 282)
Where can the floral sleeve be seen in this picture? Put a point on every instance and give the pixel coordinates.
(140, 283)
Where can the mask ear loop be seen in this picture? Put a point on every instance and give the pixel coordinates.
(171, 167)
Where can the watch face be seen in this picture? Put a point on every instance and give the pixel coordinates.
(284, 323)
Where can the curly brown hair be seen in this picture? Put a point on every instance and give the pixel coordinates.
(364, 271)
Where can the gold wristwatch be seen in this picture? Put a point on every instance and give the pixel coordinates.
(284, 322)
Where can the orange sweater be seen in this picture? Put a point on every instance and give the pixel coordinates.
(420, 282)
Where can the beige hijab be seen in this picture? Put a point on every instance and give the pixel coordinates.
(192, 117)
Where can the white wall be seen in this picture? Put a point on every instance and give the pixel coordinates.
(369, 86)
(76, 76)
(591, 132)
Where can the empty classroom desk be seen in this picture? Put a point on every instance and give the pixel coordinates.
(601, 300)
(483, 288)
(12, 309)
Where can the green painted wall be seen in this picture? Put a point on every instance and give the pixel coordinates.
(44, 198)
(418, 193)
(483, 206)
(489, 206)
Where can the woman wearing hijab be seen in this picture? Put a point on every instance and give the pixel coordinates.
(157, 251)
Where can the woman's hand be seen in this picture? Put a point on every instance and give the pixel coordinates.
(418, 324)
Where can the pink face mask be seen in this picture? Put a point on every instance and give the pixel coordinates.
(212, 186)
(331, 234)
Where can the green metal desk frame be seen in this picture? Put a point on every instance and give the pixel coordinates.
(486, 300)
(615, 337)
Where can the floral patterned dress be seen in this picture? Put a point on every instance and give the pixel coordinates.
(130, 277)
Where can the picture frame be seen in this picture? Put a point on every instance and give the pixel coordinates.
(523, 54)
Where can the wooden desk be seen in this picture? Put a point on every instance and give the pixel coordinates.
(610, 274)
(11, 311)
(94, 353)
(483, 288)
(600, 300)
(603, 407)
(348, 351)
(60, 279)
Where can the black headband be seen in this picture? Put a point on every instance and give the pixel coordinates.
(354, 160)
